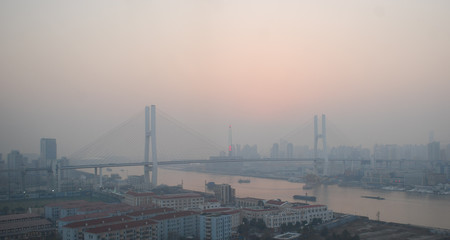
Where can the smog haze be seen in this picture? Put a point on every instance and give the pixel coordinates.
(74, 70)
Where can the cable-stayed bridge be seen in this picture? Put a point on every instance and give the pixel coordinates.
(167, 141)
(152, 138)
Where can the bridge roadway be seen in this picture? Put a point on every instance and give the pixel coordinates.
(174, 162)
(223, 160)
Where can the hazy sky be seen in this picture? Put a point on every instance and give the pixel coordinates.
(72, 70)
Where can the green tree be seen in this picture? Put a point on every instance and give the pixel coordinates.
(324, 232)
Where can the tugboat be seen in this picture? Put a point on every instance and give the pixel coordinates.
(372, 197)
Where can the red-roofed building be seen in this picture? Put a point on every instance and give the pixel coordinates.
(75, 230)
(180, 201)
(76, 218)
(138, 198)
(148, 213)
(18, 218)
(141, 229)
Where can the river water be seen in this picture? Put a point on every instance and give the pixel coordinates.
(401, 207)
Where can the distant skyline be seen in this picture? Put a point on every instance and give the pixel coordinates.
(74, 70)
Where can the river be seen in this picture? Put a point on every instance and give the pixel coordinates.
(401, 207)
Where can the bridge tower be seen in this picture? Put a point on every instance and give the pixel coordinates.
(322, 136)
(150, 133)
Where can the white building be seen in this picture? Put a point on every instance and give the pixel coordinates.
(179, 202)
(138, 198)
(215, 226)
(210, 204)
(298, 214)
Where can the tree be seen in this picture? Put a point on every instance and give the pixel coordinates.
(345, 235)
(324, 232)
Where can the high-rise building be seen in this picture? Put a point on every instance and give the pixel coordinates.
(225, 193)
(48, 152)
(16, 161)
(275, 153)
(434, 151)
(290, 151)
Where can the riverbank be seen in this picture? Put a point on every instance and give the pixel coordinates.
(379, 230)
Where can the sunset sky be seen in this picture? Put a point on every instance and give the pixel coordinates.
(72, 70)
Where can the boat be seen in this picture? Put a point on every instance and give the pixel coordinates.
(372, 197)
(244, 181)
(307, 186)
(305, 197)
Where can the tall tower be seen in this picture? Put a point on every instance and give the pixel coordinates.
(150, 134)
(154, 157)
(147, 146)
(323, 136)
(230, 142)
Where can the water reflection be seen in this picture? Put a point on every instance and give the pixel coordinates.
(402, 207)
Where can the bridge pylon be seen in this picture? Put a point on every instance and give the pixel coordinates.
(150, 134)
(322, 136)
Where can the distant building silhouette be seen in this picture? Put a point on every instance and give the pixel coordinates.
(434, 151)
(48, 152)
(16, 161)
(290, 151)
(275, 153)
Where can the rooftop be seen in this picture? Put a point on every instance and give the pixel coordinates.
(23, 225)
(216, 210)
(309, 206)
(12, 217)
(250, 199)
(140, 194)
(178, 195)
(120, 226)
(173, 215)
(83, 217)
(260, 210)
(67, 204)
(150, 211)
(97, 221)
(275, 202)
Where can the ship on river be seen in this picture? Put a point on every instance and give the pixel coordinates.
(244, 181)
(305, 197)
(372, 197)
